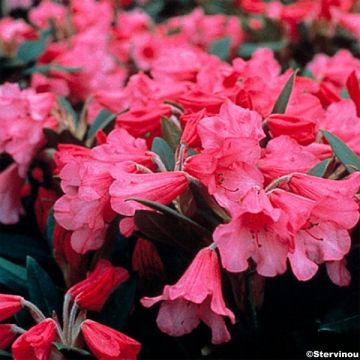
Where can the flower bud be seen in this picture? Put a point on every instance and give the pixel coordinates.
(91, 293)
(7, 335)
(9, 305)
(108, 344)
(36, 343)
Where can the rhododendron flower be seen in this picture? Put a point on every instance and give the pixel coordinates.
(276, 162)
(7, 335)
(87, 176)
(10, 204)
(108, 344)
(23, 116)
(196, 297)
(334, 70)
(9, 305)
(252, 234)
(48, 11)
(35, 343)
(92, 292)
(160, 187)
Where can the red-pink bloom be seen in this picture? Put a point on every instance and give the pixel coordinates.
(338, 273)
(196, 297)
(86, 179)
(44, 202)
(160, 187)
(9, 305)
(35, 343)
(276, 162)
(23, 115)
(92, 292)
(48, 11)
(253, 234)
(108, 344)
(334, 70)
(7, 335)
(10, 204)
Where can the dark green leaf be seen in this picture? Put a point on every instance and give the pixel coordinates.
(171, 212)
(283, 99)
(104, 118)
(342, 325)
(350, 160)
(221, 48)
(50, 226)
(169, 231)
(117, 308)
(171, 132)
(13, 276)
(18, 246)
(162, 148)
(319, 169)
(42, 291)
(5, 355)
(30, 50)
(247, 49)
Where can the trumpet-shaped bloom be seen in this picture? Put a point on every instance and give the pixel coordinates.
(196, 297)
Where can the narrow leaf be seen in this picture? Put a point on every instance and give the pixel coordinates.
(162, 148)
(344, 325)
(171, 132)
(12, 276)
(30, 50)
(65, 104)
(18, 246)
(168, 211)
(42, 290)
(104, 118)
(320, 169)
(247, 49)
(283, 99)
(221, 48)
(350, 160)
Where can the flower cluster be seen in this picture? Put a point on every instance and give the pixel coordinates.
(133, 130)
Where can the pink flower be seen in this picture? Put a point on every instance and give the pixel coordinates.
(196, 297)
(10, 203)
(47, 11)
(23, 115)
(108, 344)
(160, 187)
(35, 343)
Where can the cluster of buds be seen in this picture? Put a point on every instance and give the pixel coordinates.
(89, 294)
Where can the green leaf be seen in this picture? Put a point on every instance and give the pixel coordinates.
(65, 104)
(117, 308)
(283, 99)
(343, 325)
(320, 169)
(168, 211)
(247, 49)
(5, 355)
(50, 226)
(42, 290)
(350, 160)
(169, 231)
(221, 48)
(162, 148)
(104, 118)
(44, 69)
(13, 276)
(30, 50)
(18, 246)
(171, 132)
